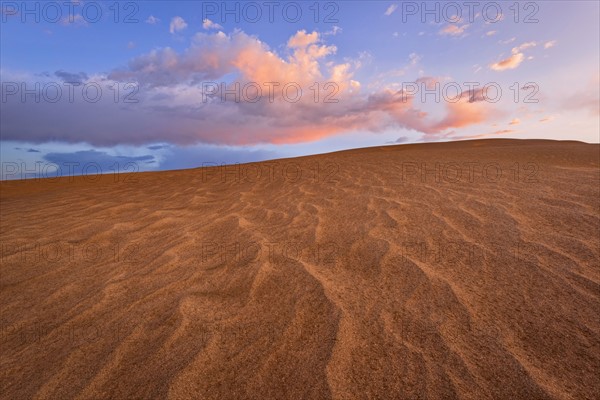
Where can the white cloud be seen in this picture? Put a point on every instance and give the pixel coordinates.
(177, 24)
(549, 44)
(414, 58)
(334, 31)
(152, 20)
(75, 20)
(390, 10)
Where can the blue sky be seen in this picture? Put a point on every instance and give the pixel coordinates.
(374, 58)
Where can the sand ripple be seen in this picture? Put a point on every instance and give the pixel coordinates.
(371, 278)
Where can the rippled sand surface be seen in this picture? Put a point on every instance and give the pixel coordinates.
(446, 270)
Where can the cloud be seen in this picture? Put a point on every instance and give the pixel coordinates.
(515, 121)
(334, 31)
(168, 158)
(207, 155)
(74, 20)
(177, 24)
(504, 132)
(302, 39)
(401, 139)
(27, 150)
(470, 109)
(511, 62)
(389, 78)
(157, 147)
(491, 33)
(522, 47)
(547, 119)
(428, 82)
(71, 77)
(454, 30)
(584, 98)
(152, 20)
(390, 10)
(549, 44)
(483, 135)
(174, 105)
(212, 56)
(208, 24)
(515, 59)
(94, 162)
(587, 100)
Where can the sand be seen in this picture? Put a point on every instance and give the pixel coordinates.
(378, 273)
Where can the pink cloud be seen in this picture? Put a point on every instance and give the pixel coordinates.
(515, 59)
(547, 119)
(511, 62)
(485, 135)
(454, 30)
(515, 121)
(208, 24)
(462, 114)
(177, 107)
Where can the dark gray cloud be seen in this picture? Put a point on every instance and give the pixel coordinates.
(90, 162)
(71, 77)
(401, 139)
(167, 157)
(198, 156)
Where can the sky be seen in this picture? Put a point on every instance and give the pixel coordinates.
(106, 86)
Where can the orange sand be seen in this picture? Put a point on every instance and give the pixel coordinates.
(362, 278)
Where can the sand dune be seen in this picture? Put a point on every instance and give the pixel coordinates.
(446, 270)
